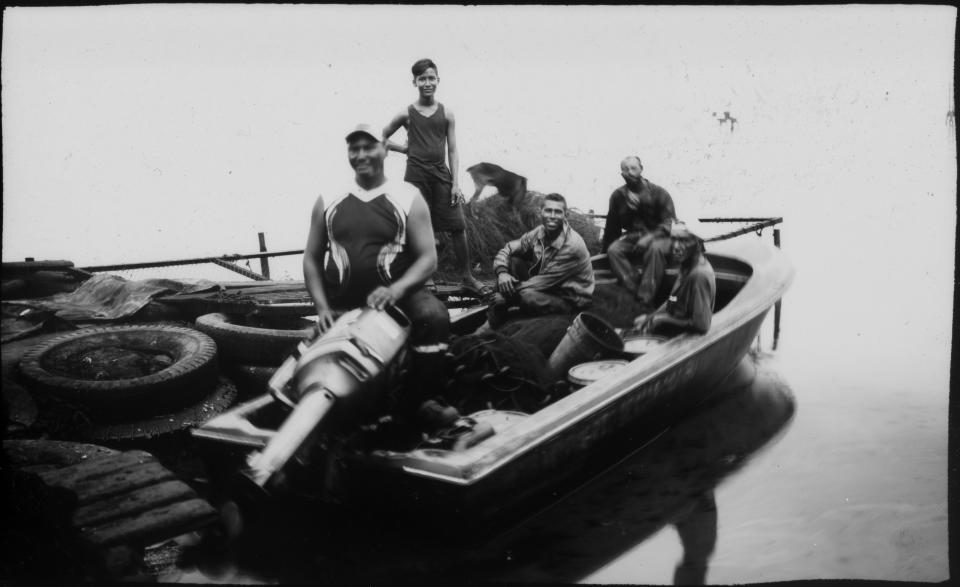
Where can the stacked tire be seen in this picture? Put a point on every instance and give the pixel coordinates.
(251, 350)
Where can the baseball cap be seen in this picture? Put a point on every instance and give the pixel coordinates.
(366, 129)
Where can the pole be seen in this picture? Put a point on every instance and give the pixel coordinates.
(264, 262)
(776, 307)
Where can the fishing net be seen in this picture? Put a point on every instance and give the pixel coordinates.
(495, 371)
(493, 221)
(615, 304)
(542, 332)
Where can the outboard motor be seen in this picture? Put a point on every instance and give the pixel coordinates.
(330, 383)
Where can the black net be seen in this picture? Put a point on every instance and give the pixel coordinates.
(495, 371)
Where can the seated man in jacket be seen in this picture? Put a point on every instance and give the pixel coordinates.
(559, 276)
(690, 305)
(643, 211)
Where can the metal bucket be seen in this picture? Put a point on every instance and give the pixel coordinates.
(589, 338)
(586, 373)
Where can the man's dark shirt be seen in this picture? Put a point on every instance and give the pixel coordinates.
(653, 212)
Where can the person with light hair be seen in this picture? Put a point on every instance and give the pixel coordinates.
(690, 305)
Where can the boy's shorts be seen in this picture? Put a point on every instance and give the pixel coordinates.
(443, 216)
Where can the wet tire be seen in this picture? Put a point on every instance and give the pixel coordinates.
(257, 345)
(149, 369)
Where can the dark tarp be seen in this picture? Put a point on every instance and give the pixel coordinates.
(109, 297)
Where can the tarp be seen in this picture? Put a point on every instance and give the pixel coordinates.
(109, 297)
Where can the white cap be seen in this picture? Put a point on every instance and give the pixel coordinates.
(366, 129)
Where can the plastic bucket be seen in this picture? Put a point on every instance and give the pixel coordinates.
(638, 345)
(589, 338)
(586, 373)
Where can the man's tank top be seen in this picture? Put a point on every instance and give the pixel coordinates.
(426, 145)
(367, 236)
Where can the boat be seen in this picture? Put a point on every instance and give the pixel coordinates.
(531, 452)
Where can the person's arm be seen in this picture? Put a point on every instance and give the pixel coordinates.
(392, 127)
(667, 212)
(611, 228)
(456, 196)
(312, 258)
(424, 252)
(507, 282)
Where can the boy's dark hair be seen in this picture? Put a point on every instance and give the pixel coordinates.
(556, 198)
(422, 66)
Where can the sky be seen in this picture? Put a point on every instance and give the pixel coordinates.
(142, 132)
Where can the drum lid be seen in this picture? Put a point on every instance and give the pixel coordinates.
(587, 373)
(640, 344)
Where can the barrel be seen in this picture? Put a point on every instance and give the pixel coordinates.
(589, 338)
(641, 344)
(586, 373)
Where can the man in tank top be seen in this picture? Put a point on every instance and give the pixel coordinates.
(431, 139)
(690, 305)
(373, 245)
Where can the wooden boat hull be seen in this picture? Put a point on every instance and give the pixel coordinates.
(541, 449)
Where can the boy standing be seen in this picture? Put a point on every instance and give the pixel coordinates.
(430, 131)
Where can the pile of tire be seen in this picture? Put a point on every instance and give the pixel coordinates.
(251, 349)
(161, 375)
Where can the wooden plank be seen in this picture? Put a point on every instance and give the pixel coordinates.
(29, 453)
(28, 266)
(132, 503)
(122, 481)
(69, 477)
(154, 525)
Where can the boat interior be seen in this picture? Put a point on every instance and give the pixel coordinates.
(498, 402)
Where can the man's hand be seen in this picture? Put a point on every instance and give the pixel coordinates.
(644, 241)
(647, 323)
(507, 284)
(325, 319)
(651, 323)
(382, 297)
(639, 321)
(456, 196)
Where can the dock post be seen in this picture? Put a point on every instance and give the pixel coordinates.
(776, 306)
(264, 263)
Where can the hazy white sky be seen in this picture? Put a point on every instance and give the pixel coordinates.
(148, 131)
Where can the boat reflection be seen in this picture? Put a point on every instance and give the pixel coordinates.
(667, 481)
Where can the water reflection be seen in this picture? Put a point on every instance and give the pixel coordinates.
(670, 481)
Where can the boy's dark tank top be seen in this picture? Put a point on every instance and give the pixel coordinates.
(426, 145)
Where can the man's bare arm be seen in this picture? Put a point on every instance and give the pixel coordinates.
(392, 127)
(456, 196)
(312, 259)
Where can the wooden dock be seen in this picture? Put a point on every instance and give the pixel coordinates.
(110, 505)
